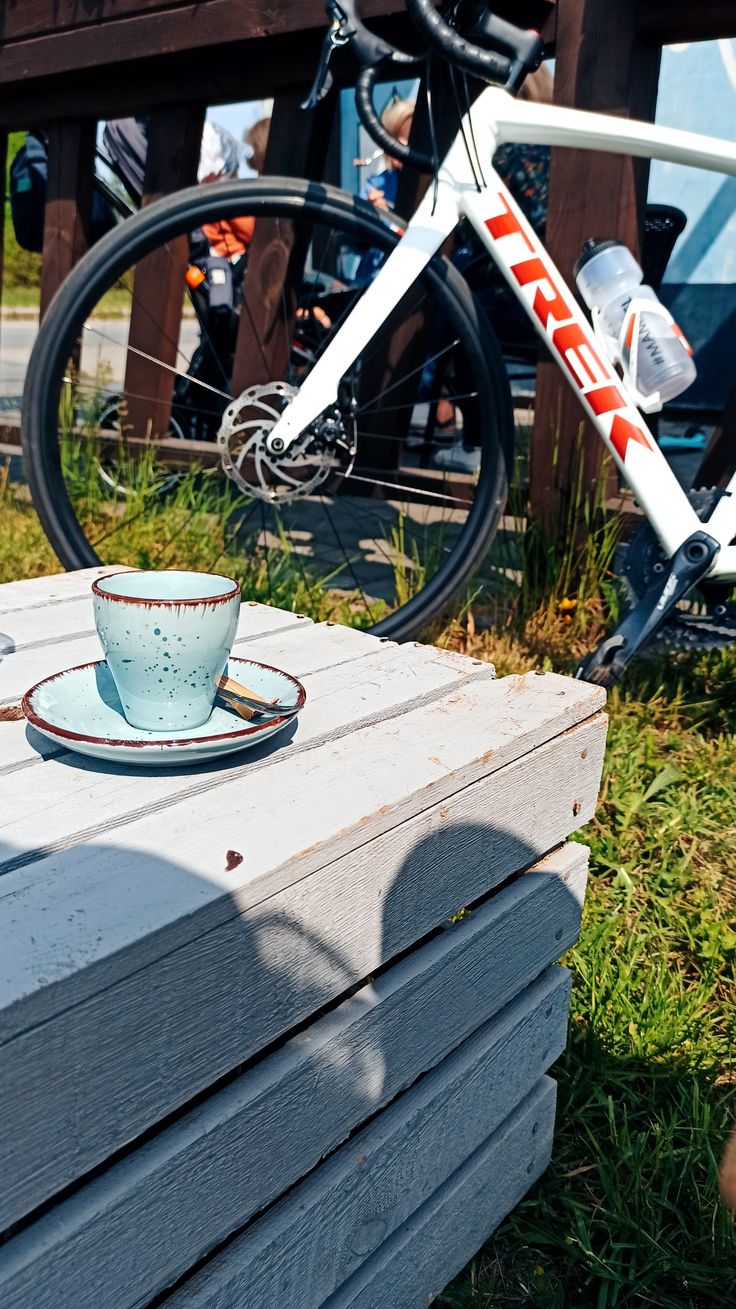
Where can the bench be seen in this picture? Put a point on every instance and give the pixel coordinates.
(277, 1033)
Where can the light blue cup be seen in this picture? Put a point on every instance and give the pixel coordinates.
(166, 637)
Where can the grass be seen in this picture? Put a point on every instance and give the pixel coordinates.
(627, 1215)
(115, 303)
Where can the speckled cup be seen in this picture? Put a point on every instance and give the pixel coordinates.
(166, 637)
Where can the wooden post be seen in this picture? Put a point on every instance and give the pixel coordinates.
(68, 202)
(174, 139)
(298, 145)
(602, 64)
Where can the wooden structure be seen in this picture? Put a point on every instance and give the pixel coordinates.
(70, 64)
(608, 58)
(248, 1060)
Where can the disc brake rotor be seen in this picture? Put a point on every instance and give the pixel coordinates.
(326, 449)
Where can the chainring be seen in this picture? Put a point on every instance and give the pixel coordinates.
(642, 562)
(326, 449)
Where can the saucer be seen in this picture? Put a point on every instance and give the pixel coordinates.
(80, 709)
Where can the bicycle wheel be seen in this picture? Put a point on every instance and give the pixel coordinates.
(383, 509)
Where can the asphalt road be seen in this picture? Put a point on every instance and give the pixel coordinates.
(103, 346)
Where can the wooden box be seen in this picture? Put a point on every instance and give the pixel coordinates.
(252, 1053)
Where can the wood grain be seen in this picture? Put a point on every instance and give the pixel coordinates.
(321, 1233)
(476, 729)
(156, 1039)
(410, 1269)
(249, 1143)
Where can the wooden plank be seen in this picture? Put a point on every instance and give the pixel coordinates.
(479, 728)
(329, 672)
(228, 1158)
(58, 588)
(179, 1029)
(166, 26)
(327, 1227)
(411, 1268)
(68, 215)
(172, 155)
(601, 65)
(672, 21)
(301, 648)
(341, 698)
(44, 654)
(298, 142)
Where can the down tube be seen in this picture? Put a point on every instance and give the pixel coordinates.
(422, 238)
(557, 317)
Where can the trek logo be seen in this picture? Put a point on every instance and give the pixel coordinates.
(591, 374)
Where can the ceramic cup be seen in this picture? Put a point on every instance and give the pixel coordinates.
(166, 638)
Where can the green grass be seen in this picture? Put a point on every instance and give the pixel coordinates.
(627, 1214)
(115, 303)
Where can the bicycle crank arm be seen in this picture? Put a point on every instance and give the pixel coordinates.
(688, 564)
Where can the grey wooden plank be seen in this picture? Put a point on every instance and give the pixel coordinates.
(340, 700)
(411, 1268)
(40, 592)
(56, 650)
(302, 649)
(157, 1038)
(376, 779)
(303, 1250)
(250, 1142)
(65, 623)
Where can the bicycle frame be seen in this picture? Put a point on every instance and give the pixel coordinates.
(496, 119)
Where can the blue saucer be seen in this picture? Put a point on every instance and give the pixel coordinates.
(80, 709)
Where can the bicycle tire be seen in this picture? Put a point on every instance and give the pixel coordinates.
(158, 224)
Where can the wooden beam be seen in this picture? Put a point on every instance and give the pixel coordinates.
(602, 64)
(51, 47)
(68, 202)
(174, 138)
(298, 144)
(669, 21)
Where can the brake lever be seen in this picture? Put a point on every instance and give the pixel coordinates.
(338, 34)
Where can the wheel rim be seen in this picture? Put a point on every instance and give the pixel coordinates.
(379, 551)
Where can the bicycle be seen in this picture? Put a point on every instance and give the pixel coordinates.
(308, 440)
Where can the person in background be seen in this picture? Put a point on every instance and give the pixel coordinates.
(256, 138)
(382, 188)
(219, 159)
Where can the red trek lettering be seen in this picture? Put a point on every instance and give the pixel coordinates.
(548, 302)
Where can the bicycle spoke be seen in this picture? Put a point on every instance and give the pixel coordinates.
(344, 553)
(132, 349)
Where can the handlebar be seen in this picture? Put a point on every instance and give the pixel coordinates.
(504, 53)
(499, 53)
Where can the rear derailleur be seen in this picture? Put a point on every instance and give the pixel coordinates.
(655, 585)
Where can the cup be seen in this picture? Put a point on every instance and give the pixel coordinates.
(166, 638)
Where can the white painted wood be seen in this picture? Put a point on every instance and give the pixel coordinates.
(249, 1143)
(46, 654)
(302, 649)
(65, 624)
(411, 1268)
(340, 699)
(39, 592)
(324, 1230)
(161, 1035)
(139, 903)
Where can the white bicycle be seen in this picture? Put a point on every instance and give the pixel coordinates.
(335, 444)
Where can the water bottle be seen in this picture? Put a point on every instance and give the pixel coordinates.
(636, 328)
